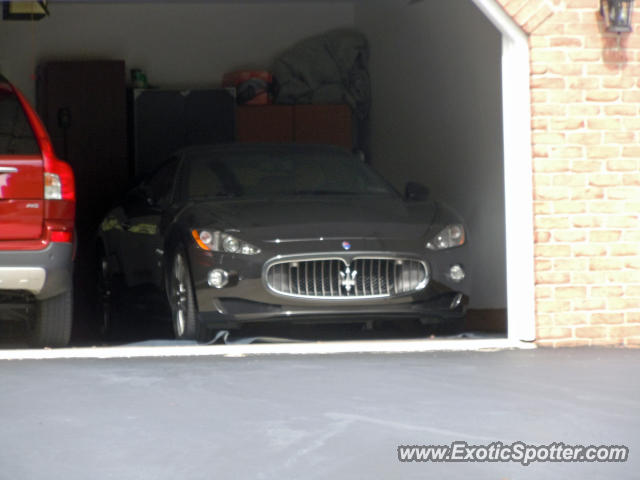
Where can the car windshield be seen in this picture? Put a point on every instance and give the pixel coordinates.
(256, 173)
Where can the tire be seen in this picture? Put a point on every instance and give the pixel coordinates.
(51, 326)
(184, 313)
(108, 311)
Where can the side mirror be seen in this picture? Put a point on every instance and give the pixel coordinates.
(142, 195)
(416, 192)
(147, 194)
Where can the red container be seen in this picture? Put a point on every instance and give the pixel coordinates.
(253, 87)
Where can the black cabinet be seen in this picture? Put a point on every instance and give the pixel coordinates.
(162, 121)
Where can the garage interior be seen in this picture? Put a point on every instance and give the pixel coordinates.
(436, 109)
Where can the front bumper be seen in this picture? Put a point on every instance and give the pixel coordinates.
(43, 273)
(232, 312)
(247, 299)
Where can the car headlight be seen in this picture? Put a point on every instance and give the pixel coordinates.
(449, 237)
(217, 241)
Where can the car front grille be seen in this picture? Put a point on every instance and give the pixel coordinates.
(335, 278)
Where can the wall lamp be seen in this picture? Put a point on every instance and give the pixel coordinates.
(617, 15)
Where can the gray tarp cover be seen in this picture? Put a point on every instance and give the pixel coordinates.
(331, 68)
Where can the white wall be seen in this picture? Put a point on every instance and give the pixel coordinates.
(436, 118)
(176, 44)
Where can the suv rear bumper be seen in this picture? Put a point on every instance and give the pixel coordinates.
(45, 273)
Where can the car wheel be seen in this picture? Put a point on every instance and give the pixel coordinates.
(51, 326)
(107, 310)
(181, 298)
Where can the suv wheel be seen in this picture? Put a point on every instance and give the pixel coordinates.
(51, 326)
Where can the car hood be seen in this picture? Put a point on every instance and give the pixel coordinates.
(302, 218)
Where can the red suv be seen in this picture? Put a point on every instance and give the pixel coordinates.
(37, 211)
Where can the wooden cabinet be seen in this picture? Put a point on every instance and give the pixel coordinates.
(264, 124)
(323, 125)
(310, 124)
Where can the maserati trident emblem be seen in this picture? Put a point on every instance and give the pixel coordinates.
(348, 279)
(346, 245)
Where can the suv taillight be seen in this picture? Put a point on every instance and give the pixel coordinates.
(52, 186)
(60, 199)
(58, 181)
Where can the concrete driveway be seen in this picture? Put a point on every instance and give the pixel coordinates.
(341, 416)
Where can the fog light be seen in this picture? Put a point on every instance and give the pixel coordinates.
(456, 273)
(218, 278)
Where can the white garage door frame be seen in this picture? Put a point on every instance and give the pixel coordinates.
(518, 188)
(518, 172)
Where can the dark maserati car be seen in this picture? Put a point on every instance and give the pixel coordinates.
(288, 233)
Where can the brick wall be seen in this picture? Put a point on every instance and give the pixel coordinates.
(586, 146)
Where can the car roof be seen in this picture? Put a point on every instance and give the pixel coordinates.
(262, 147)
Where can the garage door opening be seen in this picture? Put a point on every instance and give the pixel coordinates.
(450, 109)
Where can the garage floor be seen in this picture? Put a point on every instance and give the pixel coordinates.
(146, 317)
(312, 416)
